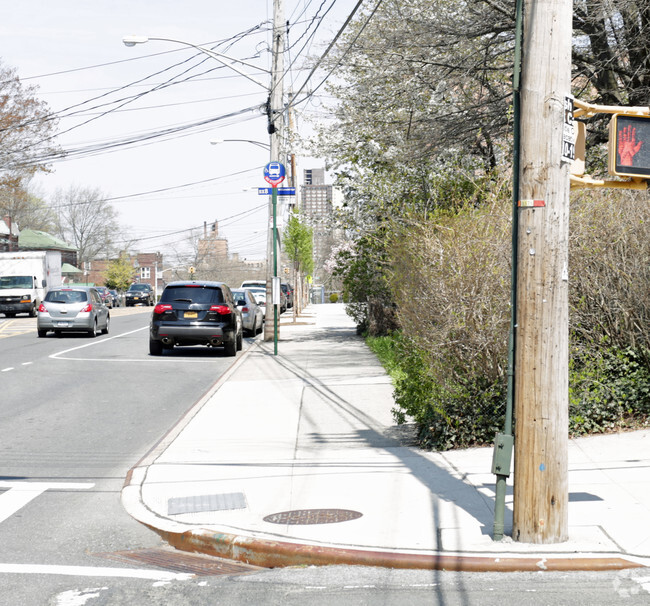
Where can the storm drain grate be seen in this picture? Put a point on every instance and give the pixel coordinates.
(208, 502)
(180, 561)
(313, 516)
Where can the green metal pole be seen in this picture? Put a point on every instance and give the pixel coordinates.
(503, 446)
(274, 199)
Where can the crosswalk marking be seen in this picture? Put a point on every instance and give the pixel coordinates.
(21, 493)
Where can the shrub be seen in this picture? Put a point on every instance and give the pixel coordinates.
(334, 297)
(608, 390)
(447, 416)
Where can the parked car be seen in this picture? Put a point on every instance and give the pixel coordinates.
(260, 297)
(196, 313)
(106, 296)
(73, 309)
(261, 284)
(253, 284)
(251, 312)
(139, 294)
(287, 289)
(116, 298)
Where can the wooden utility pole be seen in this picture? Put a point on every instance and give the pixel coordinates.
(541, 359)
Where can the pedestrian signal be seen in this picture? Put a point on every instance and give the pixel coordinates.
(629, 146)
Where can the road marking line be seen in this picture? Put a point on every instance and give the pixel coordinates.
(7, 369)
(65, 351)
(21, 493)
(94, 571)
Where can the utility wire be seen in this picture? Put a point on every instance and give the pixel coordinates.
(320, 60)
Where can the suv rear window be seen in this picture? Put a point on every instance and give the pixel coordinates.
(192, 294)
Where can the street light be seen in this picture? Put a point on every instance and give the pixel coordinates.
(133, 40)
(275, 92)
(265, 146)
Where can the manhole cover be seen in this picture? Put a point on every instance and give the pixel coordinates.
(313, 516)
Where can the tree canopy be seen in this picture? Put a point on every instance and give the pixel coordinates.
(26, 133)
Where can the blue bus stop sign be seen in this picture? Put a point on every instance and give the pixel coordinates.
(274, 173)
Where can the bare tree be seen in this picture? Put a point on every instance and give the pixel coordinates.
(87, 221)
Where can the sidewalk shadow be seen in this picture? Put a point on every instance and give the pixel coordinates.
(441, 483)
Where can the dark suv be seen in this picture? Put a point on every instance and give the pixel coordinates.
(196, 313)
(139, 293)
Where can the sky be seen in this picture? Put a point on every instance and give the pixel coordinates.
(107, 93)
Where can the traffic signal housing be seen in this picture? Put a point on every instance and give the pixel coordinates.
(629, 146)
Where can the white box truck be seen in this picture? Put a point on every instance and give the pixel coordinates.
(25, 277)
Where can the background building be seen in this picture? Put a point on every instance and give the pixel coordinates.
(317, 203)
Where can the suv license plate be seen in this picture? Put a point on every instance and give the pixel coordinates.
(190, 314)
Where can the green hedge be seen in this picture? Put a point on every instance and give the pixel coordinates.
(606, 393)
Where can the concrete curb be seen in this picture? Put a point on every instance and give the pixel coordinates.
(272, 554)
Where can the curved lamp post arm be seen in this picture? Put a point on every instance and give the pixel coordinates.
(223, 59)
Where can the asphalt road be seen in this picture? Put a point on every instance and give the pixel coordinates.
(77, 413)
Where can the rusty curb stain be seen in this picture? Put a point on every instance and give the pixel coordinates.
(272, 554)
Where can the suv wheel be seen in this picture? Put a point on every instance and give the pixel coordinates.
(155, 347)
(230, 348)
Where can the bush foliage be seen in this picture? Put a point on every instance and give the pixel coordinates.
(450, 285)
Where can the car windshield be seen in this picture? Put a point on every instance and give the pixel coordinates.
(66, 296)
(192, 294)
(138, 287)
(16, 282)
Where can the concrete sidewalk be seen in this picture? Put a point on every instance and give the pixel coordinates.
(295, 459)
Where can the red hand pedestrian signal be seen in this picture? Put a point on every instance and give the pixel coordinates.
(627, 145)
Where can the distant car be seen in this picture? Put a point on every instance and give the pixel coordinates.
(116, 298)
(106, 295)
(253, 284)
(261, 284)
(139, 294)
(73, 309)
(287, 289)
(196, 313)
(251, 312)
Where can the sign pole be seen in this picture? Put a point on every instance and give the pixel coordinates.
(274, 199)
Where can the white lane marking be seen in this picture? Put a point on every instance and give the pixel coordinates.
(74, 597)
(99, 342)
(175, 360)
(21, 493)
(7, 369)
(94, 571)
(27, 363)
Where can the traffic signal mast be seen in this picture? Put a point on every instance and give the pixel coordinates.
(628, 148)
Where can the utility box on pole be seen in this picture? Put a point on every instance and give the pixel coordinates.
(541, 357)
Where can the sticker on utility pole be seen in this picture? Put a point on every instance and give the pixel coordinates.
(531, 204)
(568, 131)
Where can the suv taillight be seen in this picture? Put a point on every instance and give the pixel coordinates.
(220, 309)
(161, 308)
